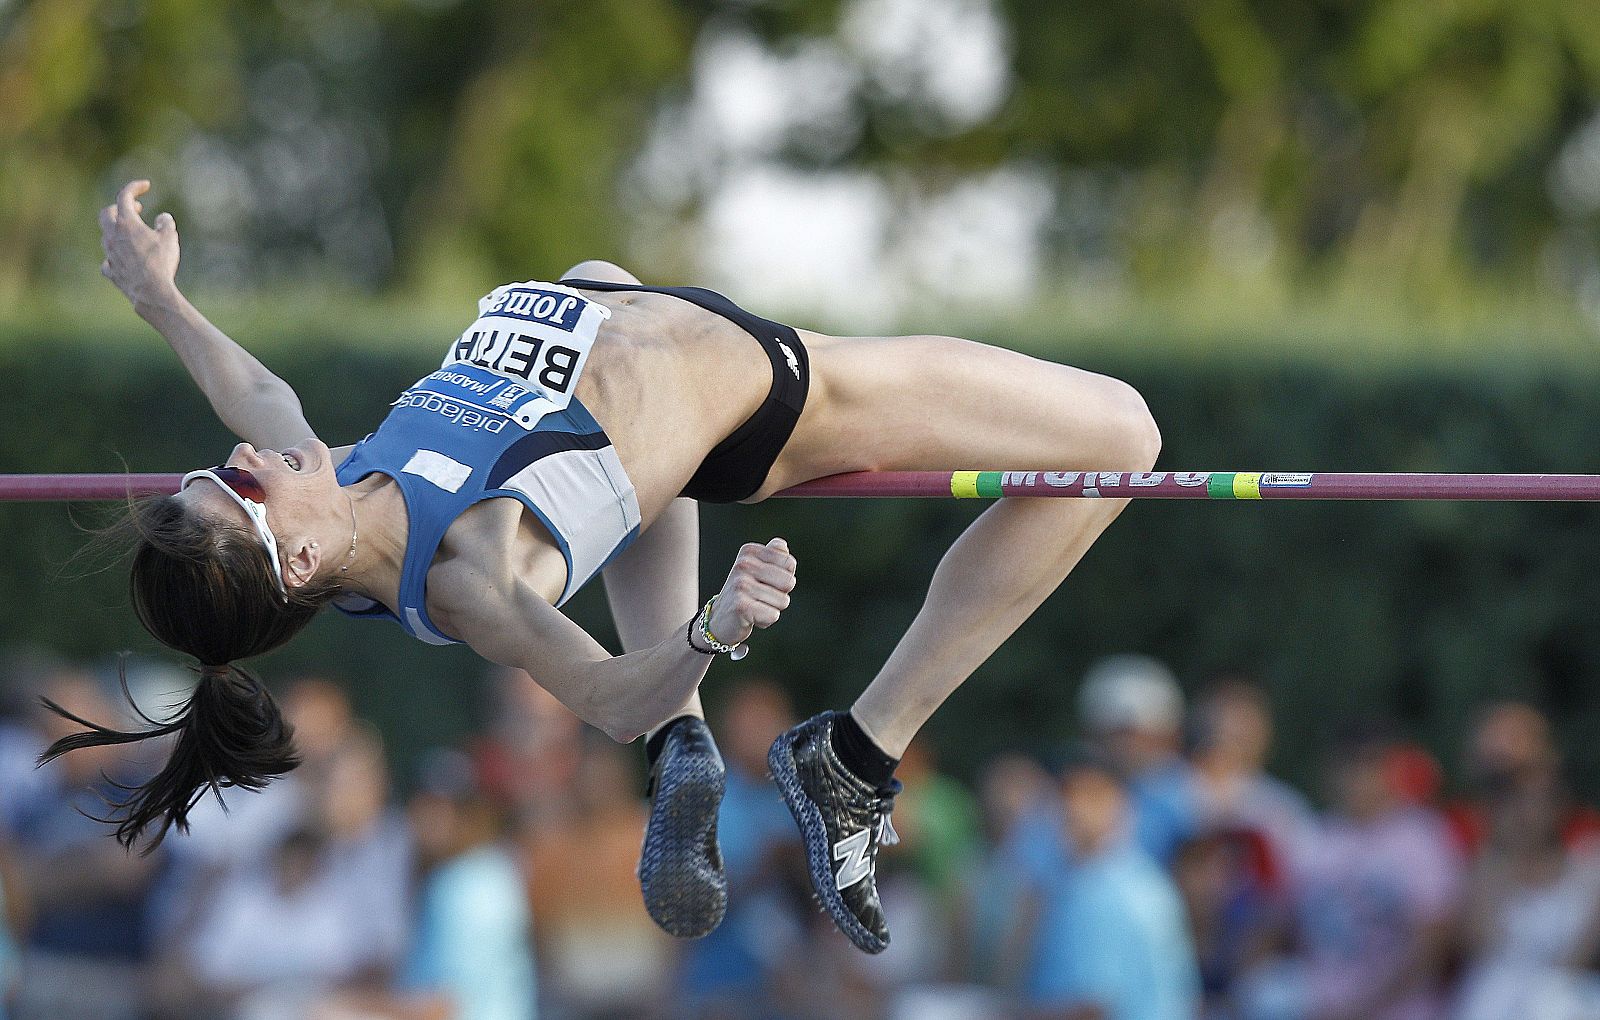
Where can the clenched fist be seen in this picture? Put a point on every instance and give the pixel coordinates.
(141, 260)
(756, 592)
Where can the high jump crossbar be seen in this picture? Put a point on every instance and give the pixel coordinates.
(1221, 485)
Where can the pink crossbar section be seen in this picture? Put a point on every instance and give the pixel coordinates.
(1068, 484)
(57, 488)
(1202, 485)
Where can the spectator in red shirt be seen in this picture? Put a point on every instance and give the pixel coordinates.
(1512, 745)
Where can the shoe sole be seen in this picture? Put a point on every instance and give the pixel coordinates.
(684, 892)
(819, 860)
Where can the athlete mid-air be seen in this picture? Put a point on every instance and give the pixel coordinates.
(571, 430)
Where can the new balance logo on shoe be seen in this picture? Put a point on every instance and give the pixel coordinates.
(843, 821)
(853, 851)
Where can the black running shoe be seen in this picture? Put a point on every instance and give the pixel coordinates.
(680, 864)
(843, 820)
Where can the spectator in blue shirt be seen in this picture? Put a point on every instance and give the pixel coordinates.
(473, 945)
(732, 971)
(1111, 941)
(471, 955)
(10, 919)
(82, 954)
(1133, 709)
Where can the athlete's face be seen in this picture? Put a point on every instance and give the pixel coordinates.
(297, 486)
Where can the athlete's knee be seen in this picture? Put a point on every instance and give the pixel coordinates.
(599, 270)
(1139, 437)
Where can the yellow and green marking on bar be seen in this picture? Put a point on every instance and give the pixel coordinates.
(1219, 485)
(975, 484)
(1234, 485)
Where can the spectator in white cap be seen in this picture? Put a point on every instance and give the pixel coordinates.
(1132, 707)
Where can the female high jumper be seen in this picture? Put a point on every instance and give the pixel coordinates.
(571, 430)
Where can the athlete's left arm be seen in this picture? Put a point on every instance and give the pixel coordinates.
(654, 585)
(506, 621)
(142, 261)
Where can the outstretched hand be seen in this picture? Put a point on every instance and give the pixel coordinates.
(140, 259)
(756, 592)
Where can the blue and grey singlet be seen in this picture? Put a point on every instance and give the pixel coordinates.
(500, 418)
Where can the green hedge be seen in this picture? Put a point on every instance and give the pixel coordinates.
(1416, 610)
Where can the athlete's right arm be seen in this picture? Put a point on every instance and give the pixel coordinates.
(506, 621)
(142, 261)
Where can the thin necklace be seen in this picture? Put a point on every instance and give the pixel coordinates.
(350, 559)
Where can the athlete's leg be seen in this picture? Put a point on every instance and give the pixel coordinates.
(990, 581)
(654, 589)
(931, 403)
(653, 586)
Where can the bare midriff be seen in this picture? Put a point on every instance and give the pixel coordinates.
(667, 380)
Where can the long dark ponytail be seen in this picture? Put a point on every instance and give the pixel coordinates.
(205, 588)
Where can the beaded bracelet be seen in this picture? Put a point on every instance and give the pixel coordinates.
(688, 635)
(715, 646)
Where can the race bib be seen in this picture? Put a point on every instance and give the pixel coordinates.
(537, 335)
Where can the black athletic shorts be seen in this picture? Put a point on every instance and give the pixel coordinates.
(736, 467)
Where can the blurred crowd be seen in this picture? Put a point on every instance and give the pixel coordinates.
(1150, 869)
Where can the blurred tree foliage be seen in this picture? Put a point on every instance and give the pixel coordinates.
(319, 129)
(1389, 138)
(1380, 144)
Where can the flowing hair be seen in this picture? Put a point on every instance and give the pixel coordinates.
(203, 587)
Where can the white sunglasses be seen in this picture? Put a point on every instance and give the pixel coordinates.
(256, 509)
